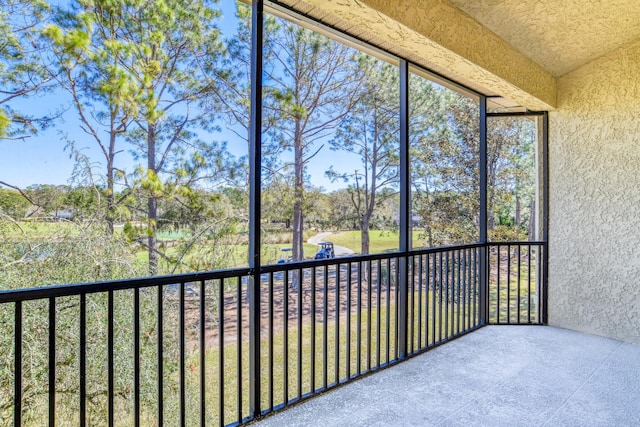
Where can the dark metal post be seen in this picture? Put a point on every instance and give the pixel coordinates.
(405, 209)
(255, 169)
(484, 282)
(545, 218)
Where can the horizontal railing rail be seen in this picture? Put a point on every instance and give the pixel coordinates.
(28, 294)
(175, 349)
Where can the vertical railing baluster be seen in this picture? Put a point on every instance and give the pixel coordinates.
(498, 284)
(488, 252)
(271, 361)
(337, 321)
(369, 321)
(529, 283)
(453, 296)
(221, 370)
(325, 327)
(378, 312)
(136, 357)
(539, 280)
(203, 349)
(545, 284)
(462, 306)
(52, 362)
(451, 290)
(428, 298)
(469, 286)
(508, 284)
(181, 350)
(285, 325)
(476, 282)
(348, 331)
(83, 359)
(313, 330)
(446, 300)
(160, 357)
(239, 346)
(110, 363)
(17, 367)
(359, 318)
(420, 258)
(434, 295)
(518, 288)
(440, 298)
(411, 300)
(398, 314)
(473, 286)
(388, 303)
(299, 329)
(458, 299)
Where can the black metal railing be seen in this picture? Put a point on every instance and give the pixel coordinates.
(176, 350)
(516, 283)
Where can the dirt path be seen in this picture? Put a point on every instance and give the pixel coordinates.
(338, 250)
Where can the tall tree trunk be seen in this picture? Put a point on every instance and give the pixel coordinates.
(491, 182)
(532, 220)
(429, 217)
(364, 242)
(491, 219)
(152, 203)
(109, 217)
(110, 214)
(298, 189)
(152, 240)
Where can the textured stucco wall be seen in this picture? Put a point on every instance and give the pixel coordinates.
(487, 58)
(544, 29)
(594, 155)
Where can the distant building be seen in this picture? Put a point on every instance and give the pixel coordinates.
(416, 219)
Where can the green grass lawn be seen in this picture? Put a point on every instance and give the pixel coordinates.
(41, 229)
(380, 241)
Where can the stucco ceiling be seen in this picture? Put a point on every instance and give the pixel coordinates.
(559, 35)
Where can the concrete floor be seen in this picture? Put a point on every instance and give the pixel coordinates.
(496, 376)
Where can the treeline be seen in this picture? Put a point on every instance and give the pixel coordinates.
(165, 86)
(333, 210)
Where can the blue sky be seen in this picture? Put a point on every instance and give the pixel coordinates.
(42, 159)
